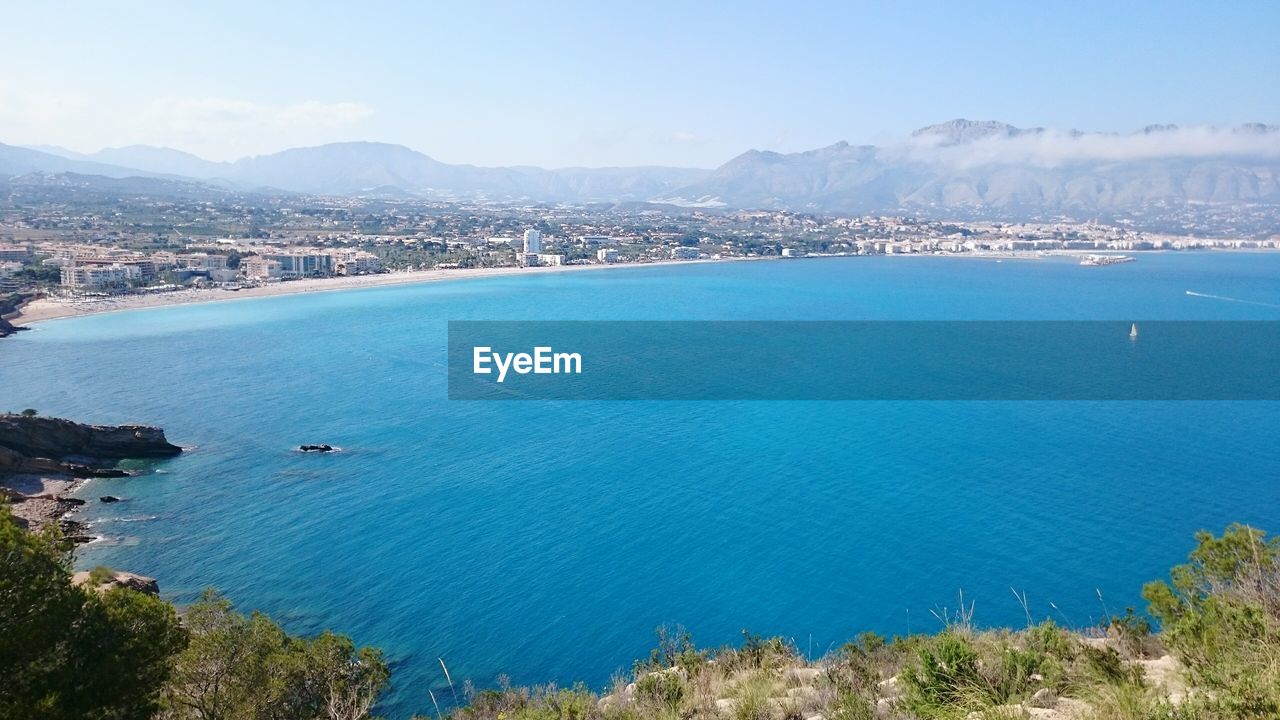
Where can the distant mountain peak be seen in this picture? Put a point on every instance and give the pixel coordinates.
(1255, 129)
(961, 130)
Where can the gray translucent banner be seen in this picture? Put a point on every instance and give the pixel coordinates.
(837, 360)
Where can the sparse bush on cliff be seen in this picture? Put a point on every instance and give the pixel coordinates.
(1221, 615)
(100, 575)
(67, 652)
(538, 703)
(1132, 633)
(661, 690)
(675, 649)
(239, 666)
(78, 653)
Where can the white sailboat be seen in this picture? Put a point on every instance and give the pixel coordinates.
(1133, 331)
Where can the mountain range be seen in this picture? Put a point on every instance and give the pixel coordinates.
(961, 165)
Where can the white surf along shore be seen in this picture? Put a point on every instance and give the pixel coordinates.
(54, 308)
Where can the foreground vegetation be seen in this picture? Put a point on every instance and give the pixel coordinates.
(98, 652)
(90, 652)
(1217, 658)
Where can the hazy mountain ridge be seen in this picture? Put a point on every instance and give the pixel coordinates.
(956, 166)
(148, 158)
(354, 168)
(15, 161)
(984, 165)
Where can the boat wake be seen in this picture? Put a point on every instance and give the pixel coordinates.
(1193, 293)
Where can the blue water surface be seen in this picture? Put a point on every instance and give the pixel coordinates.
(545, 541)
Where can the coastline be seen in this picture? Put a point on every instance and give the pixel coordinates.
(45, 309)
(46, 461)
(48, 500)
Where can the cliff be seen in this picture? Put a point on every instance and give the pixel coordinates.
(39, 438)
(43, 459)
(7, 328)
(10, 308)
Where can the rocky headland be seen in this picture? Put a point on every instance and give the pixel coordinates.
(7, 328)
(43, 460)
(11, 308)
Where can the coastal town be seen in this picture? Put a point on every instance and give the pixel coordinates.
(77, 250)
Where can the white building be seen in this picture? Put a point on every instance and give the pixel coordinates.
(164, 260)
(532, 241)
(302, 262)
(550, 259)
(260, 268)
(202, 261)
(685, 253)
(355, 262)
(607, 255)
(14, 253)
(98, 277)
(224, 275)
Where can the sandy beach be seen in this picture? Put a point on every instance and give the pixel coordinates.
(53, 308)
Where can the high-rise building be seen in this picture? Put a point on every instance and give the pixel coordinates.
(532, 241)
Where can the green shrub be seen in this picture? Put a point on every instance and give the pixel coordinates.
(946, 676)
(754, 700)
(100, 574)
(1132, 633)
(247, 666)
(663, 689)
(68, 653)
(675, 649)
(1221, 614)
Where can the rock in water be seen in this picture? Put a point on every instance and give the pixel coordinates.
(316, 448)
(109, 499)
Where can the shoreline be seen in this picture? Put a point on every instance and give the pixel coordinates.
(45, 309)
(48, 500)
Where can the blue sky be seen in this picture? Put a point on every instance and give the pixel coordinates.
(612, 83)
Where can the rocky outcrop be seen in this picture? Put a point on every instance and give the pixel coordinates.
(42, 460)
(58, 439)
(10, 308)
(7, 328)
(116, 578)
(15, 463)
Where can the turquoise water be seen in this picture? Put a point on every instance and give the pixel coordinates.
(547, 540)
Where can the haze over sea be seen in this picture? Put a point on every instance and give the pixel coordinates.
(547, 540)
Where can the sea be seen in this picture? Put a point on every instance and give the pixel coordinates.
(545, 541)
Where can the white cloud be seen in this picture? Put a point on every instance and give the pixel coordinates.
(243, 127)
(188, 115)
(1052, 148)
(218, 128)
